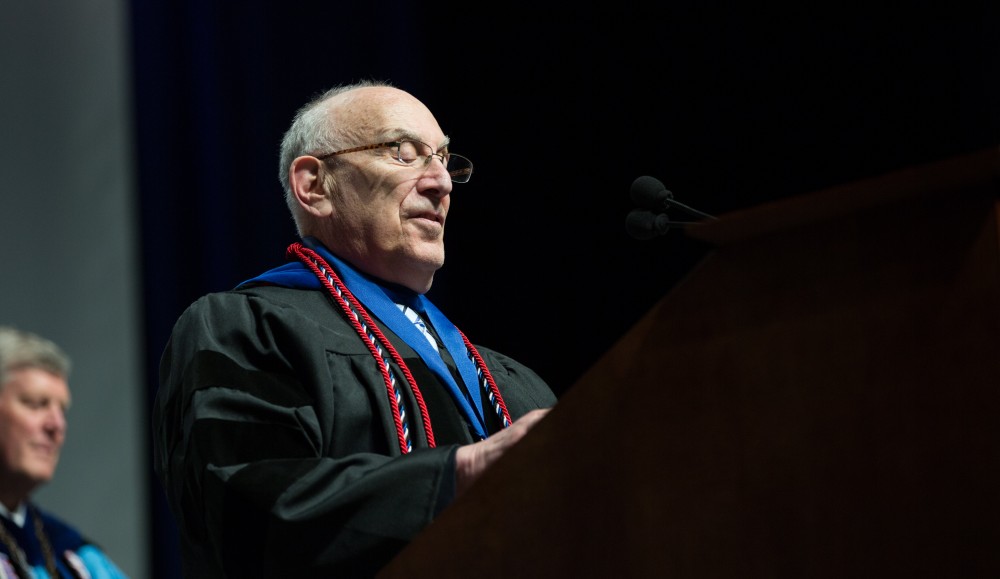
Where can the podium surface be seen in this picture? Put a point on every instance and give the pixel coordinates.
(819, 397)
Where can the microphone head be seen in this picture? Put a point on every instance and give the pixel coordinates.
(646, 224)
(649, 192)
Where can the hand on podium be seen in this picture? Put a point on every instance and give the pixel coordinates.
(472, 460)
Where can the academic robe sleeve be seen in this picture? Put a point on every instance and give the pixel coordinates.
(274, 442)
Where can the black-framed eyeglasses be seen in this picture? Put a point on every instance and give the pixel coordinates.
(418, 154)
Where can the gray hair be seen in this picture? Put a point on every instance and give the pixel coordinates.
(311, 133)
(20, 349)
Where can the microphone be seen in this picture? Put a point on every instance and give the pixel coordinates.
(654, 199)
(646, 224)
(649, 193)
(642, 224)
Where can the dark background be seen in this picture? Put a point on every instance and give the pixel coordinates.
(560, 109)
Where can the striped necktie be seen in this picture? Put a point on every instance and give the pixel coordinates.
(414, 317)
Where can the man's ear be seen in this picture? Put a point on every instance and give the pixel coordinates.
(306, 181)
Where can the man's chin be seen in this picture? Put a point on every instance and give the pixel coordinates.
(431, 255)
(42, 474)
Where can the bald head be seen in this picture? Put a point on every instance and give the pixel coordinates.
(335, 118)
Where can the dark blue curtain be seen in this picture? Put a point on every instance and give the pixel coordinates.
(560, 108)
(216, 84)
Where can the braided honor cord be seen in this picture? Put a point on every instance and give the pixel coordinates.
(487, 382)
(377, 344)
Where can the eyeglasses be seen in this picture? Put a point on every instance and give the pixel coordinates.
(417, 154)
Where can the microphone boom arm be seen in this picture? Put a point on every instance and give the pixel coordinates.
(671, 202)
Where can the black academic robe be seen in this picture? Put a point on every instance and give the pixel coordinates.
(275, 443)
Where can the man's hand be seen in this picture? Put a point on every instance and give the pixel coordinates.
(472, 460)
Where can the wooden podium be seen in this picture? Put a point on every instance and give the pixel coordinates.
(819, 397)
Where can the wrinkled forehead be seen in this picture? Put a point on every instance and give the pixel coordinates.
(382, 112)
